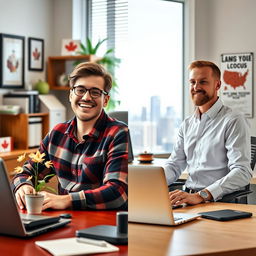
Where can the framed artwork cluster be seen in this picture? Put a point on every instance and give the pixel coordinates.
(12, 59)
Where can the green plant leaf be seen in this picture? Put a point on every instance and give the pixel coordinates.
(46, 178)
(100, 42)
(89, 46)
(40, 185)
(84, 50)
(109, 51)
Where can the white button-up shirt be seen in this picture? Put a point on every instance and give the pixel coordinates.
(215, 149)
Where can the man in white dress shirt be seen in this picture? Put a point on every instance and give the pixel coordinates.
(213, 144)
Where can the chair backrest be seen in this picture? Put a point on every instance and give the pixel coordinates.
(123, 116)
(253, 152)
(120, 115)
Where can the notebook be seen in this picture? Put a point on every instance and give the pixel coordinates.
(149, 198)
(71, 246)
(224, 215)
(11, 220)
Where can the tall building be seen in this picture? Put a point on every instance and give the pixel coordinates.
(144, 114)
(143, 136)
(155, 109)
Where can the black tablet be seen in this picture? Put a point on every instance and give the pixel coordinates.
(224, 215)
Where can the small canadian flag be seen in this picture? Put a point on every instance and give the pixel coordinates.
(6, 144)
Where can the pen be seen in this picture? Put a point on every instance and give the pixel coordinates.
(100, 243)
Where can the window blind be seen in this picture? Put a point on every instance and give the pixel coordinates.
(108, 19)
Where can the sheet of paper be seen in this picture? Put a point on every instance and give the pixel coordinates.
(70, 246)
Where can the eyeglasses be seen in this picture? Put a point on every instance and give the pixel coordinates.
(95, 93)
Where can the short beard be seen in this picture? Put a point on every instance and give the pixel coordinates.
(201, 100)
(87, 119)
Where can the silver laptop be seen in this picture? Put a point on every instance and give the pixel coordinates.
(149, 199)
(11, 222)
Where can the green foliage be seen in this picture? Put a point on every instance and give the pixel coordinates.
(109, 61)
(41, 184)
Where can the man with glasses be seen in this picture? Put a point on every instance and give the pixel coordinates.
(89, 152)
(213, 144)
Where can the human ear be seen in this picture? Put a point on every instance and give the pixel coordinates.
(218, 85)
(106, 99)
(70, 95)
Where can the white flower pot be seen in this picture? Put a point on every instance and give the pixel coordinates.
(34, 203)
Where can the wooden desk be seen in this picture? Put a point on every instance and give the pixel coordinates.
(184, 175)
(199, 237)
(12, 246)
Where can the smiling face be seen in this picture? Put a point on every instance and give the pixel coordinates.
(204, 87)
(85, 108)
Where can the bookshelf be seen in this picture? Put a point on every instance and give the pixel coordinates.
(17, 126)
(58, 65)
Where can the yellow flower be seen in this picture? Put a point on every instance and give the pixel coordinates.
(29, 178)
(37, 157)
(48, 164)
(18, 169)
(21, 158)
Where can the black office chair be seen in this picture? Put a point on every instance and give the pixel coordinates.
(123, 116)
(239, 197)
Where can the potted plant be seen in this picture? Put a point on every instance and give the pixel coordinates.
(109, 61)
(34, 202)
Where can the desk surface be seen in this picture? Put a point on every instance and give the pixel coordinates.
(81, 219)
(199, 237)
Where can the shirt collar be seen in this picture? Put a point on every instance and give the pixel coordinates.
(212, 111)
(95, 132)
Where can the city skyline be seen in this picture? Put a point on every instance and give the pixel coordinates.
(154, 130)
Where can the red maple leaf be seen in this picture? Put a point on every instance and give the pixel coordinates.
(71, 46)
(5, 144)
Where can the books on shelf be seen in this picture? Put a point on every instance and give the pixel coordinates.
(27, 100)
(9, 109)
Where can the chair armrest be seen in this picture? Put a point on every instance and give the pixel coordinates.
(234, 196)
(179, 183)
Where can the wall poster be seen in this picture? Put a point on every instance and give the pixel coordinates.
(237, 81)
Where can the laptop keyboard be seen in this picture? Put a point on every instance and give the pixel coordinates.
(176, 219)
(26, 220)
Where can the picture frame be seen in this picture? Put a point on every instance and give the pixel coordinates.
(12, 61)
(35, 54)
(238, 81)
(70, 47)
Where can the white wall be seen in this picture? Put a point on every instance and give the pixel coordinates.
(62, 28)
(62, 23)
(50, 20)
(225, 26)
(29, 18)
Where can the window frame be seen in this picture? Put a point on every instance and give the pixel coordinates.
(111, 44)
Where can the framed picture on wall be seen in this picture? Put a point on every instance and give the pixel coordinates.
(237, 81)
(12, 61)
(35, 54)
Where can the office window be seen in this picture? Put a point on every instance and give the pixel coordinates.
(109, 19)
(153, 94)
(151, 72)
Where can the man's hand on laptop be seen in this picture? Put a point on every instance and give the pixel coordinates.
(57, 202)
(20, 194)
(179, 197)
